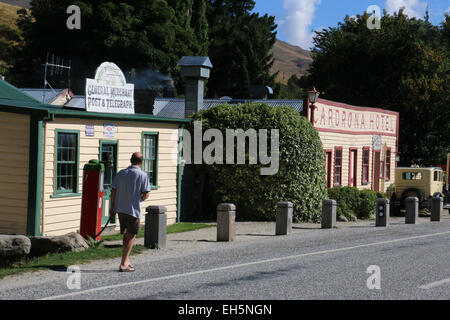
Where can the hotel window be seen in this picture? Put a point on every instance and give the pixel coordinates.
(365, 165)
(388, 164)
(338, 166)
(150, 152)
(67, 162)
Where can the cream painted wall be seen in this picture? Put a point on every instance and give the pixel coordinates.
(62, 215)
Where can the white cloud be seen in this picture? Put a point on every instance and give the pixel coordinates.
(413, 8)
(298, 21)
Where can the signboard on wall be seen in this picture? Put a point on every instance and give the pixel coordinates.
(90, 131)
(109, 92)
(338, 117)
(108, 130)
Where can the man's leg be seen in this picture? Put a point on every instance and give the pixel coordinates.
(128, 242)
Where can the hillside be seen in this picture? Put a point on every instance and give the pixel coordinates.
(290, 60)
(8, 14)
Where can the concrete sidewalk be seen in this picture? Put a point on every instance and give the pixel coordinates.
(254, 231)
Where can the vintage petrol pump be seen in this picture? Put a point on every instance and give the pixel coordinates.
(92, 200)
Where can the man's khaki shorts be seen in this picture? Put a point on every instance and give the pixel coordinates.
(129, 224)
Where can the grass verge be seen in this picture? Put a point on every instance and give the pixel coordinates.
(175, 228)
(60, 261)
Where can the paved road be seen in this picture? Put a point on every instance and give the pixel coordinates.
(414, 262)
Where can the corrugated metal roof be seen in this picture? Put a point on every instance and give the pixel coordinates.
(77, 102)
(46, 96)
(174, 108)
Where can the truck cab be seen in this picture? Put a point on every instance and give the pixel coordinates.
(423, 183)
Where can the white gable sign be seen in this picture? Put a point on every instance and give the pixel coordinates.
(109, 92)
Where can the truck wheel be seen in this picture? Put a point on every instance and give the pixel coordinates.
(438, 195)
(411, 193)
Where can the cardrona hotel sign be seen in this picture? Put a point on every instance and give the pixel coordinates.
(109, 92)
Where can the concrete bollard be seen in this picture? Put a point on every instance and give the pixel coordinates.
(329, 208)
(285, 214)
(226, 216)
(155, 227)
(437, 209)
(383, 212)
(412, 210)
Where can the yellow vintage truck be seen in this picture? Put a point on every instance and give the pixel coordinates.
(423, 183)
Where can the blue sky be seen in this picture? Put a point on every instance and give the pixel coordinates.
(297, 19)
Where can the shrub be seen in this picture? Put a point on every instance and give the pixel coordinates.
(352, 202)
(301, 175)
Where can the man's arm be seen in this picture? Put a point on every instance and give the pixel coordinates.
(146, 188)
(145, 196)
(112, 202)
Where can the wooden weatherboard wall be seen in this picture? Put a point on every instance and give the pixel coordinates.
(14, 172)
(353, 128)
(61, 214)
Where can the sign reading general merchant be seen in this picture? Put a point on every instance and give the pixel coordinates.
(109, 92)
(338, 117)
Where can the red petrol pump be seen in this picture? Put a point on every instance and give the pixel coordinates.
(92, 200)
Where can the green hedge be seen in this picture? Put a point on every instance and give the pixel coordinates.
(352, 202)
(301, 176)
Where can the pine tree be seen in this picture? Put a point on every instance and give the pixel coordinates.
(240, 48)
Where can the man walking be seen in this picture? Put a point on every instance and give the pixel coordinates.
(130, 187)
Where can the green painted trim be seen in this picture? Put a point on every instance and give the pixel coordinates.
(180, 177)
(106, 194)
(114, 142)
(36, 170)
(76, 186)
(36, 108)
(152, 133)
(65, 195)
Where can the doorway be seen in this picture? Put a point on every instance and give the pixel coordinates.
(328, 160)
(108, 156)
(353, 168)
(376, 171)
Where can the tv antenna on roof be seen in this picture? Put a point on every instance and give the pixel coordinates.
(55, 67)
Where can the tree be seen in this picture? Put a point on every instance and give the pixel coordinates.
(300, 177)
(401, 67)
(240, 44)
(9, 39)
(139, 34)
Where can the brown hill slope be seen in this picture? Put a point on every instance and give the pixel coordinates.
(290, 60)
(8, 14)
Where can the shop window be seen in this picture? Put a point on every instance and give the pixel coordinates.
(365, 165)
(150, 152)
(388, 164)
(338, 167)
(67, 162)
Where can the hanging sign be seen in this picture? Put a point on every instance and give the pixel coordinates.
(109, 92)
(377, 142)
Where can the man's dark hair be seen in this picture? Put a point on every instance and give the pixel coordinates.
(136, 160)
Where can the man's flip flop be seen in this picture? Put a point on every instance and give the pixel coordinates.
(130, 268)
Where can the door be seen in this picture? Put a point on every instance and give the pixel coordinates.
(353, 168)
(108, 156)
(376, 171)
(328, 160)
